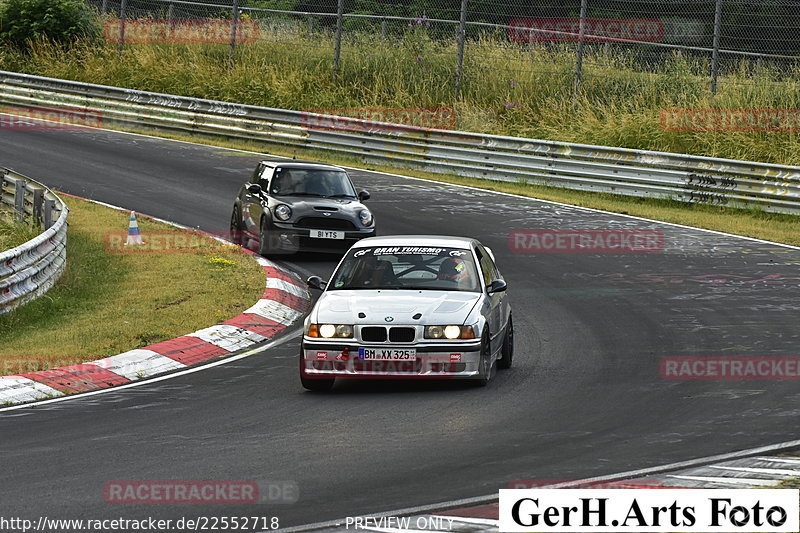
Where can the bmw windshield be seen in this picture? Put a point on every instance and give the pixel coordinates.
(311, 182)
(407, 267)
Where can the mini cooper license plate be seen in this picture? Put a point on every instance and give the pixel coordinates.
(387, 354)
(326, 234)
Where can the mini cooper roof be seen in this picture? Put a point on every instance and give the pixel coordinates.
(291, 163)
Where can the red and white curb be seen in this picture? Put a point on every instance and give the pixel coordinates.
(284, 301)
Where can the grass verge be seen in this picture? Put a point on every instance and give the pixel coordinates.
(107, 303)
(13, 234)
(507, 89)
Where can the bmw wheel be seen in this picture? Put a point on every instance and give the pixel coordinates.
(508, 347)
(485, 365)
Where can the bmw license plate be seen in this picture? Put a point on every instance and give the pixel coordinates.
(326, 234)
(387, 354)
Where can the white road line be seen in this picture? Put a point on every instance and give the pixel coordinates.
(787, 460)
(775, 471)
(727, 480)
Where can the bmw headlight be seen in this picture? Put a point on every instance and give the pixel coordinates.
(449, 332)
(365, 216)
(283, 212)
(328, 331)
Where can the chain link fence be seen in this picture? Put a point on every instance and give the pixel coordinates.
(456, 43)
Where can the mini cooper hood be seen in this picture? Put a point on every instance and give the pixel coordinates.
(436, 307)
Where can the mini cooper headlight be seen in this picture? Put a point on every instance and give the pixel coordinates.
(328, 331)
(365, 216)
(283, 212)
(449, 332)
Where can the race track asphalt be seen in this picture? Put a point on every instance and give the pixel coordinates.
(585, 396)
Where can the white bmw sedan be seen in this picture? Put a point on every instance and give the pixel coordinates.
(409, 306)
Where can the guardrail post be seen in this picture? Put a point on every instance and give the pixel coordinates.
(234, 28)
(38, 205)
(581, 44)
(715, 52)
(49, 207)
(121, 42)
(337, 50)
(462, 34)
(19, 198)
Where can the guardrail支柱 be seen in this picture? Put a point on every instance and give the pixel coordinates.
(687, 178)
(30, 269)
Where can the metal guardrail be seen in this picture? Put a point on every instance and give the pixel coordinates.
(30, 269)
(642, 173)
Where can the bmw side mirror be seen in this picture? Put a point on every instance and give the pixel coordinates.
(497, 285)
(316, 282)
(254, 188)
(363, 195)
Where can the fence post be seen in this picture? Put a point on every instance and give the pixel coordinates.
(715, 53)
(383, 28)
(462, 34)
(758, 68)
(234, 28)
(310, 25)
(122, 9)
(104, 7)
(581, 44)
(19, 198)
(337, 51)
(170, 19)
(49, 207)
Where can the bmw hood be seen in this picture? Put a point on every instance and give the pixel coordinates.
(435, 307)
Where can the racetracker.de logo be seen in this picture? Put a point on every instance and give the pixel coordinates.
(730, 368)
(742, 120)
(595, 29)
(585, 241)
(49, 119)
(181, 31)
(168, 242)
(378, 119)
(199, 492)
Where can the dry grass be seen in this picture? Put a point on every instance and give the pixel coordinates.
(107, 303)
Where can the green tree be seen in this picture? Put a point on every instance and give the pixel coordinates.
(63, 21)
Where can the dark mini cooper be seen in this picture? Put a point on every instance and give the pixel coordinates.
(290, 206)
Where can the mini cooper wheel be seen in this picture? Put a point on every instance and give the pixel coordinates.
(508, 347)
(485, 364)
(263, 238)
(313, 383)
(236, 236)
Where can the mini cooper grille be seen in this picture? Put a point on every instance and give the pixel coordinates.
(401, 334)
(325, 223)
(373, 334)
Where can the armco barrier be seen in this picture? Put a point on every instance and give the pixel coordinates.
(30, 269)
(624, 171)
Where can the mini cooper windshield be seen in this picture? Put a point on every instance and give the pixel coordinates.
(311, 182)
(407, 267)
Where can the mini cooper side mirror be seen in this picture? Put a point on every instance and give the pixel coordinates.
(316, 282)
(363, 195)
(254, 188)
(497, 285)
